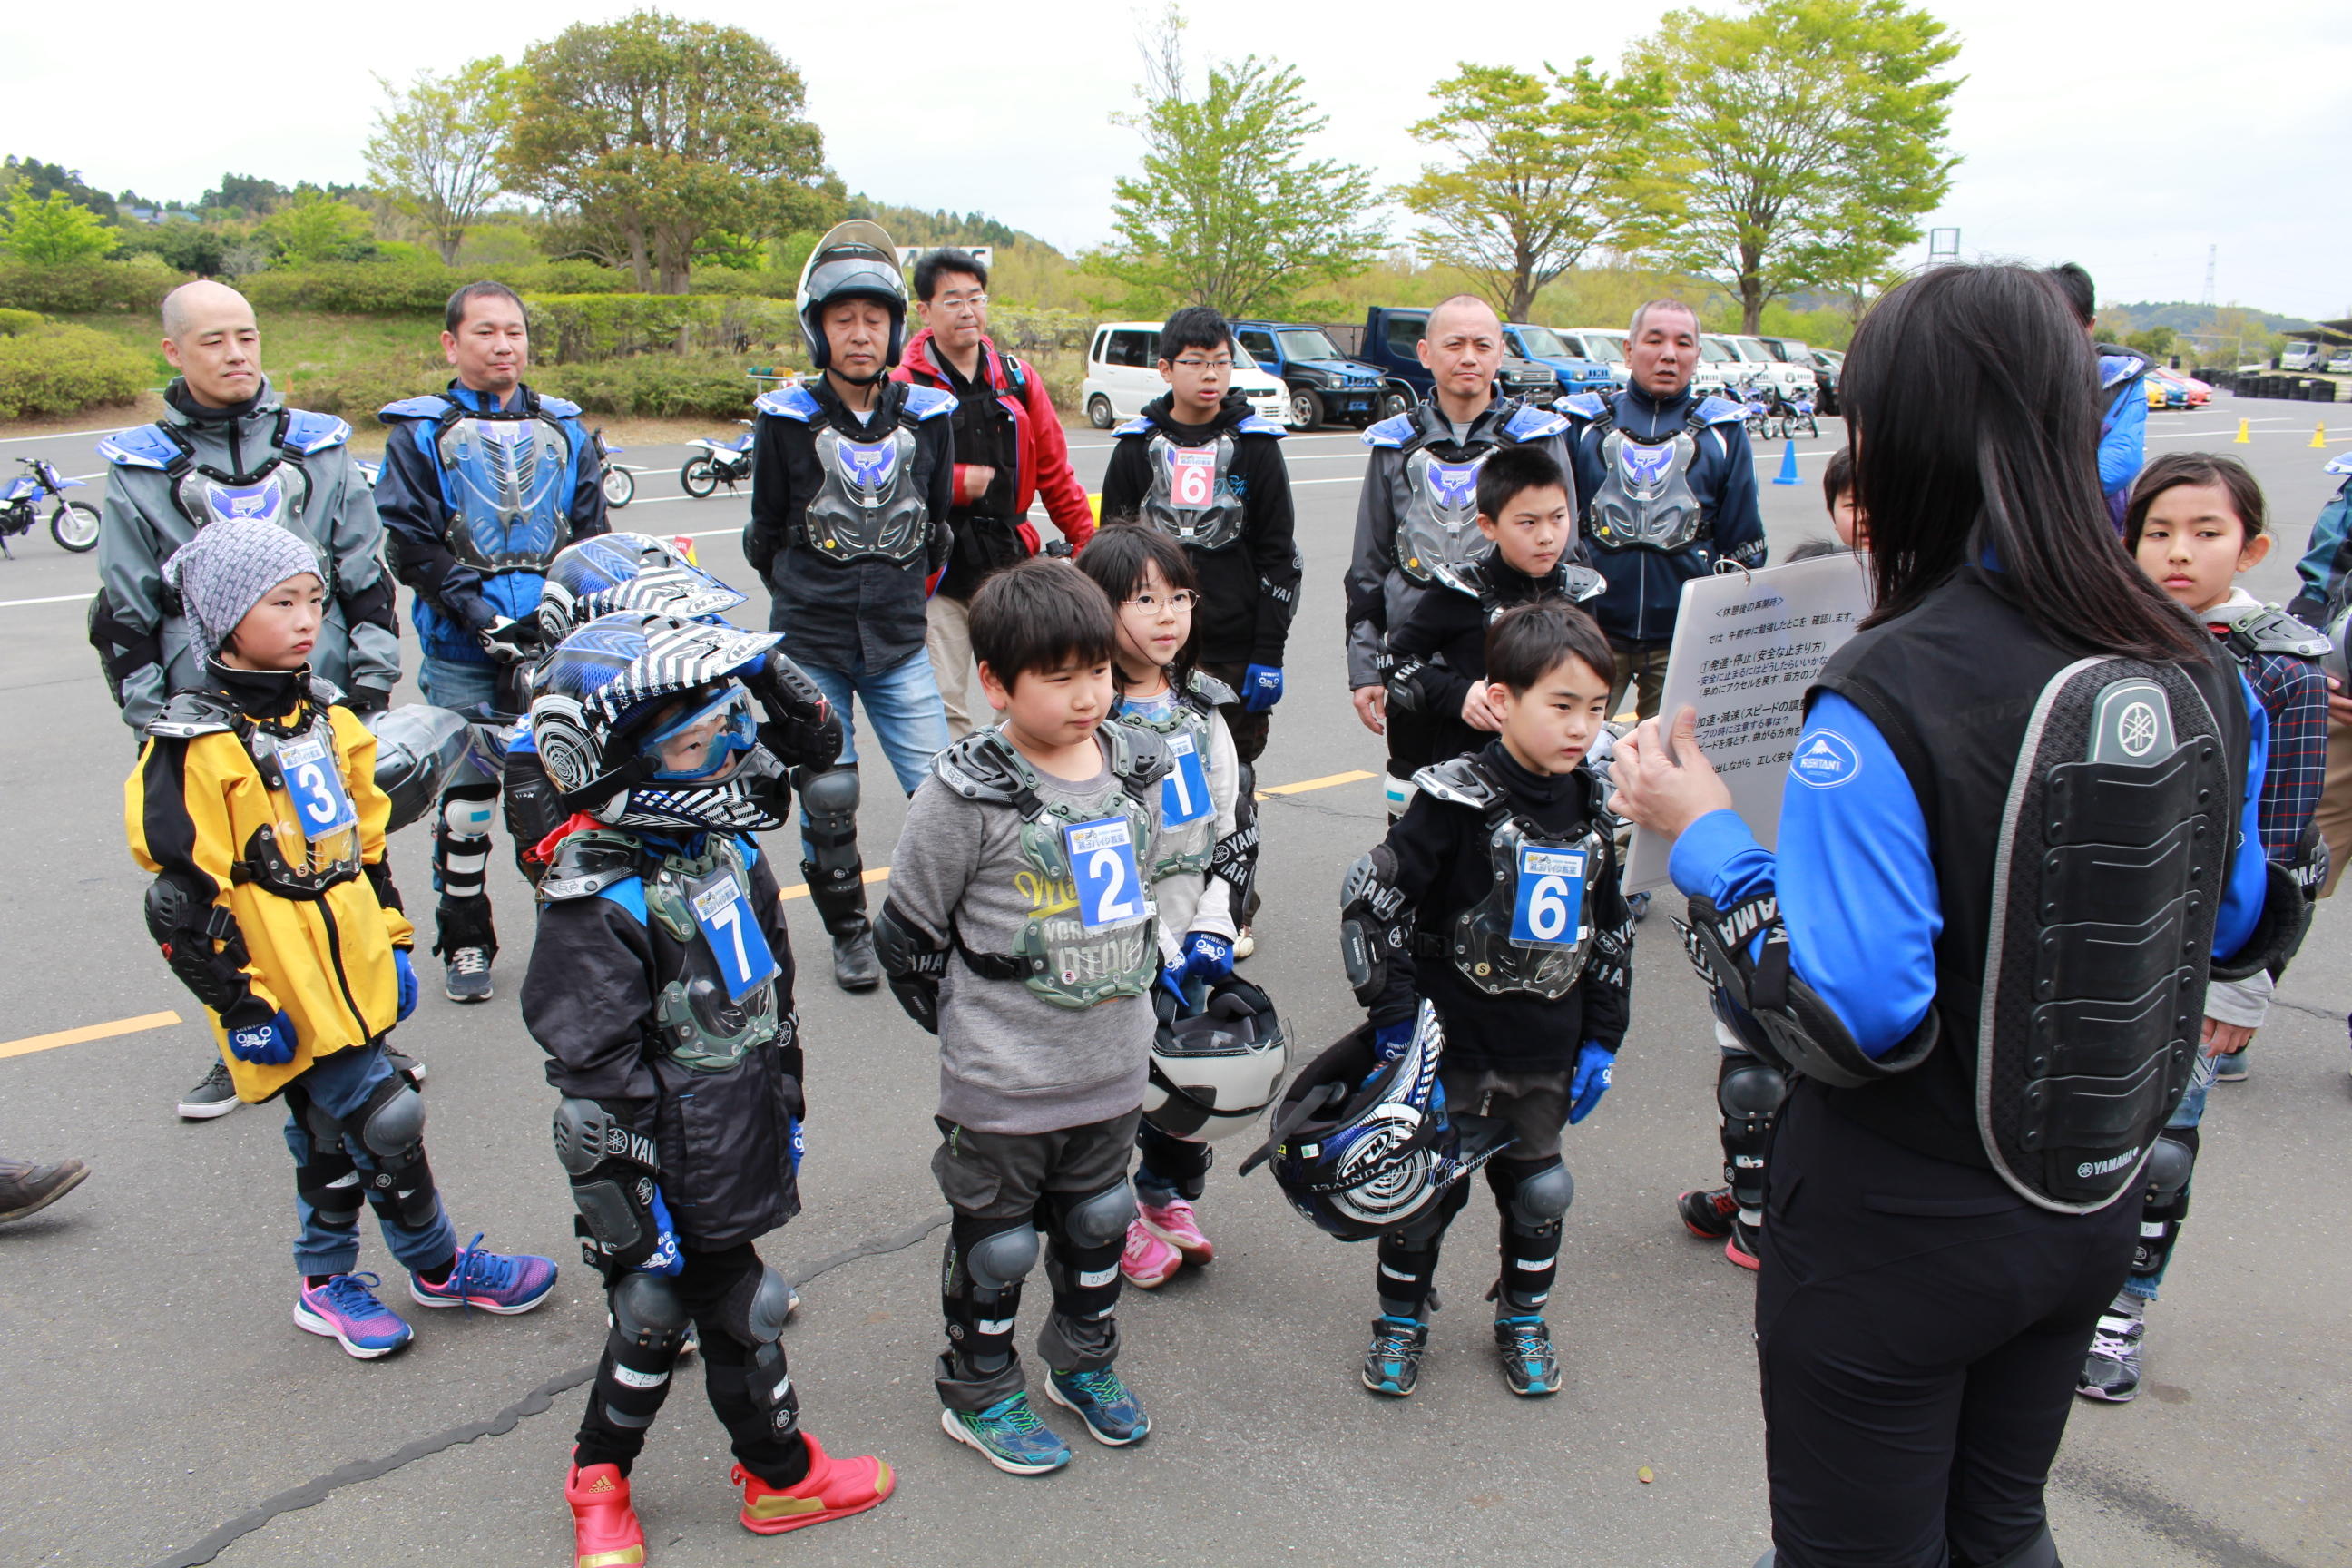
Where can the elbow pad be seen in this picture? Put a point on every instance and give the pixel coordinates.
(915, 963)
(1802, 1030)
(2286, 915)
(1372, 922)
(615, 1172)
(200, 942)
(1406, 692)
(378, 876)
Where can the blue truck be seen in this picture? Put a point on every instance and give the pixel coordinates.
(1323, 385)
(1545, 347)
(1389, 339)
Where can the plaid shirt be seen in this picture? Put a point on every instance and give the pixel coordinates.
(2294, 693)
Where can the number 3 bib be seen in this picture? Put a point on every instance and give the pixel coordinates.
(315, 785)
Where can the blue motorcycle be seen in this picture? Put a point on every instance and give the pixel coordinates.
(716, 462)
(73, 525)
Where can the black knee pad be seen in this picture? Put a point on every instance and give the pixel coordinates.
(329, 1181)
(1094, 1219)
(980, 1287)
(752, 1314)
(1089, 1232)
(1532, 1193)
(640, 1349)
(391, 1125)
(829, 855)
(1750, 1091)
(2170, 1164)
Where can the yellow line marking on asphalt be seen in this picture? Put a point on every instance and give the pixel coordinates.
(800, 889)
(32, 1043)
(1326, 782)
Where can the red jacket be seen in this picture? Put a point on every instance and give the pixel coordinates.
(1044, 465)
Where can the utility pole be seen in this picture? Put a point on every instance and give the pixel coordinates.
(2210, 252)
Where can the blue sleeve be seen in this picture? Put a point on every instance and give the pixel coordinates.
(1739, 511)
(2241, 900)
(2319, 566)
(1858, 891)
(2123, 441)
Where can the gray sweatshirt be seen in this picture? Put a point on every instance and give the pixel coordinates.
(1011, 1061)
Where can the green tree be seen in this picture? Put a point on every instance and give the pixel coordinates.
(434, 154)
(53, 230)
(1229, 210)
(314, 226)
(1548, 169)
(244, 195)
(1818, 127)
(656, 131)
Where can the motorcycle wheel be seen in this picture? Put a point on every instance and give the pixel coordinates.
(620, 488)
(697, 477)
(1812, 427)
(74, 526)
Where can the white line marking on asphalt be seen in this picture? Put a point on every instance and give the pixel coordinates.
(55, 599)
(63, 434)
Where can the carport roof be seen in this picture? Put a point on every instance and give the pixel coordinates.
(2336, 332)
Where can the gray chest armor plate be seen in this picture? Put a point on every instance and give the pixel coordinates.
(2119, 830)
(1646, 501)
(1187, 821)
(1054, 953)
(1438, 517)
(1532, 932)
(503, 478)
(869, 505)
(1212, 525)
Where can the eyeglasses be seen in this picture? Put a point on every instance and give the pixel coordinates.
(1181, 600)
(962, 301)
(1218, 364)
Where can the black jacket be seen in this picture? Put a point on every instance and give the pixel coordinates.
(588, 998)
(836, 613)
(1442, 868)
(1442, 639)
(1249, 591)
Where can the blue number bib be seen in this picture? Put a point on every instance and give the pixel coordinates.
(1103, 870)
(1184, 792)
(315, 784)
(735, 938)
(1550, 908)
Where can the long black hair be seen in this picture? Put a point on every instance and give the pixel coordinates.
(1119, 558)
(1972, 398)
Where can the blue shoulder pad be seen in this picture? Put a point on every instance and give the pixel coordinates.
(1393, 431)
(1534, 424)
(1258, 425)
(791, 401)
(2117, 369)
(1584, 406)
(432, 405)
(144, 447)
(629, 892)
(929, 401)
(307, 432)
(2339, 464)
(1719, 411)
(1136, 427)
(749, 848)
(561, 407)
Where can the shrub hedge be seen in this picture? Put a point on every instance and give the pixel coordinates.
(15, 322)
(61, 369)
(651, 385)
(139, 284)
(579, 327)
(410, 288)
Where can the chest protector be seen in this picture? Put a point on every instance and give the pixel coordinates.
(2120, 823)
(1437, 522)
(312, 843)
(1532, 932)
(506, 482)
(276, 490)
(1055, 956)
(1646, 501)
(1187, 822)
(869, 505)
(1192, 498)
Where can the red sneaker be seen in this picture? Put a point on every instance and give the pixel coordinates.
(833, 1489)
(606, 1532)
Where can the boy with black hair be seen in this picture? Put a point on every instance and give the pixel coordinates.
(1495, 898)
(1199, 465)
(1019, 930)
(1438, 651)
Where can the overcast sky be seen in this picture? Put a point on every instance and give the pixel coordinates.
(2128, 137)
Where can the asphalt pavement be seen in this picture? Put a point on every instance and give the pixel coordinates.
(162, 1408)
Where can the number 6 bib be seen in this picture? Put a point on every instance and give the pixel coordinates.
(1549, 908)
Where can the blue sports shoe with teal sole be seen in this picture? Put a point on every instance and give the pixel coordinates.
(345, 1310)
(491, 1280)
(1009, 1436)
(1112, 1415)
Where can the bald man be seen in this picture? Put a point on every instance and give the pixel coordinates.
(226, 447)
(1417, 516)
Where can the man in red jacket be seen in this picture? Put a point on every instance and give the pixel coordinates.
(1008, 446)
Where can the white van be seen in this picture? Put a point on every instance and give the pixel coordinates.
(1123, 375)
(1604, 346)
(2301, 356)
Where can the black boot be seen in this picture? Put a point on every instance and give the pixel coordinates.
(856, 965)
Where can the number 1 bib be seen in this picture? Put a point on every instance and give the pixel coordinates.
(1184, 792)
(1104, 873)
(1549, 911)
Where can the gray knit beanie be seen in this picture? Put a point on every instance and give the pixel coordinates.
(226, 569)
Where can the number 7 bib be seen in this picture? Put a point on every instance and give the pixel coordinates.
(1550, 910)
(1104, 873)
(735, 938)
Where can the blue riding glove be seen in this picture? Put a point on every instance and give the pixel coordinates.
(1591, 1080)
(1208, 957)
(666, 1257)
(1172, 977)
(799, 1141)
(268, 1045)
(406, 973)
(1390, 1041)
(1261, 686)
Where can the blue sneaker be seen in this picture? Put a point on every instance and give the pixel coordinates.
(1394, 1363)
(1009, 1436)
(1530, 1366)
(1100, 1400)
(490, 1281)
(2230, 1068)
(345, 1311)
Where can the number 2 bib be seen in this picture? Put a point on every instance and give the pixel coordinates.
(1104, 873)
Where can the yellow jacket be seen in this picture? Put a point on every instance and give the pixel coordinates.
(192, 808)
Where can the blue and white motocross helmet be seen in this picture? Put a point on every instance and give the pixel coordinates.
(625, 572)
(1362, 1146)
(643, 721)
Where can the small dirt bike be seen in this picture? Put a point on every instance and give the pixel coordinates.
(72, 524)
(715, 463)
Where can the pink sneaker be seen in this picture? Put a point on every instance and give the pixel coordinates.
(1148, 1262)
(1178, 1226)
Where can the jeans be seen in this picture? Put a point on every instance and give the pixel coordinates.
(469, 689)
(903, 701)
(339, 1085)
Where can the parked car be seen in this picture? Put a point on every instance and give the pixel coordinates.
(1389, 339)
(2194, 393)
(1719, 365)
(1604, 346)
(1123, 375)
(1322, 383)
(2300, 356)
(1776, 370)
(1828, 366)
(2340, 363)
(1577, 371)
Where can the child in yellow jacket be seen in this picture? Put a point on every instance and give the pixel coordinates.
(255, 804)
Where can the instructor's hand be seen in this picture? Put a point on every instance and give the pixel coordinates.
(1478, 712)
(1371, 706)
(1660, 793)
